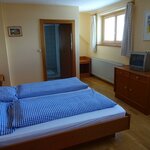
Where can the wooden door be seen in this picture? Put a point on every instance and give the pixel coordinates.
(65, 43)
(67, 47)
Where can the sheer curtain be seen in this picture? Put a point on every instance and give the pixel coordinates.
(93, 33)
(127, 45)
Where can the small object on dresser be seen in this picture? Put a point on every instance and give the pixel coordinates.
(1, 79)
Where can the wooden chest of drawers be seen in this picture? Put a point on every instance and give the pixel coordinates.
(133, 87)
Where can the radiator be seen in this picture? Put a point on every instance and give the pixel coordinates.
(104, 69)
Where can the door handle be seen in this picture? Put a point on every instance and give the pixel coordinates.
(71, 40)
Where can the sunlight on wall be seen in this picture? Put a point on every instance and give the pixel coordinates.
(114, 53)
(4, 69)
(84, 20)
(24, 57)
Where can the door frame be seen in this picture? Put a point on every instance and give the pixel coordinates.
(43, 46)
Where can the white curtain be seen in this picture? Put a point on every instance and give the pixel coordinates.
(93, 33)
(99, 29)
(127, 45)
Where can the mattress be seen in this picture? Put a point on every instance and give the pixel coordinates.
(62, 125)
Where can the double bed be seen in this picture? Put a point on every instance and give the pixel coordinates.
(67, 131)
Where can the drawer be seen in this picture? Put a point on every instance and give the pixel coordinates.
(138, 77)
(122, 72)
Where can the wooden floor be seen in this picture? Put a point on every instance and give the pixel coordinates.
(137, 138)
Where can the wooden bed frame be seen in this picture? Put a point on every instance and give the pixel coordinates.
(74, 137)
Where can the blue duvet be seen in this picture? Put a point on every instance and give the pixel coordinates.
(49, 87)
(30, 111)
(6, 118)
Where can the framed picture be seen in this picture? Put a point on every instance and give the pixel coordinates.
(14, 31)
(147, 26)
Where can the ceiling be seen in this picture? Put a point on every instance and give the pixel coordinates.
(84, 5)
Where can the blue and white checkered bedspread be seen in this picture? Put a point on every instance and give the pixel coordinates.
(5, 118)
(30, 111)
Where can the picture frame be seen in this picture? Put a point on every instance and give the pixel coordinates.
(15, 31)
(147, 26)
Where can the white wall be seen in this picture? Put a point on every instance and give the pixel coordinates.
(140, 8)
(24, 60)
(4, 69)
(84, 33)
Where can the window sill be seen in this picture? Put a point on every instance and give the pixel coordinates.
(110, 45)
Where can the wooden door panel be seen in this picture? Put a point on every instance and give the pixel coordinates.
(122, 86)
(137, 92)
(65, 31)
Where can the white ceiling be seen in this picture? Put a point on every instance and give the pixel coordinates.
(84, 5)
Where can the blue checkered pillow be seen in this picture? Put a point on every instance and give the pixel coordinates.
(6, 118)
(7, 94)
(49, 87)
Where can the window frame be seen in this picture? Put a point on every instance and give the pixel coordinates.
(115, 42)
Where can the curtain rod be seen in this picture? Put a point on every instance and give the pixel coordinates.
(132, 1)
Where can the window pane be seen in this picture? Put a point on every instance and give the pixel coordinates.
(120, 27)
(109, 29)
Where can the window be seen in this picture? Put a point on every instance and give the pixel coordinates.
(112, 28)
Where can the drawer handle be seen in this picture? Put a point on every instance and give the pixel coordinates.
(130, 90)
(125, 87)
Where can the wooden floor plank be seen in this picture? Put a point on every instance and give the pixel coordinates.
(137, 138)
